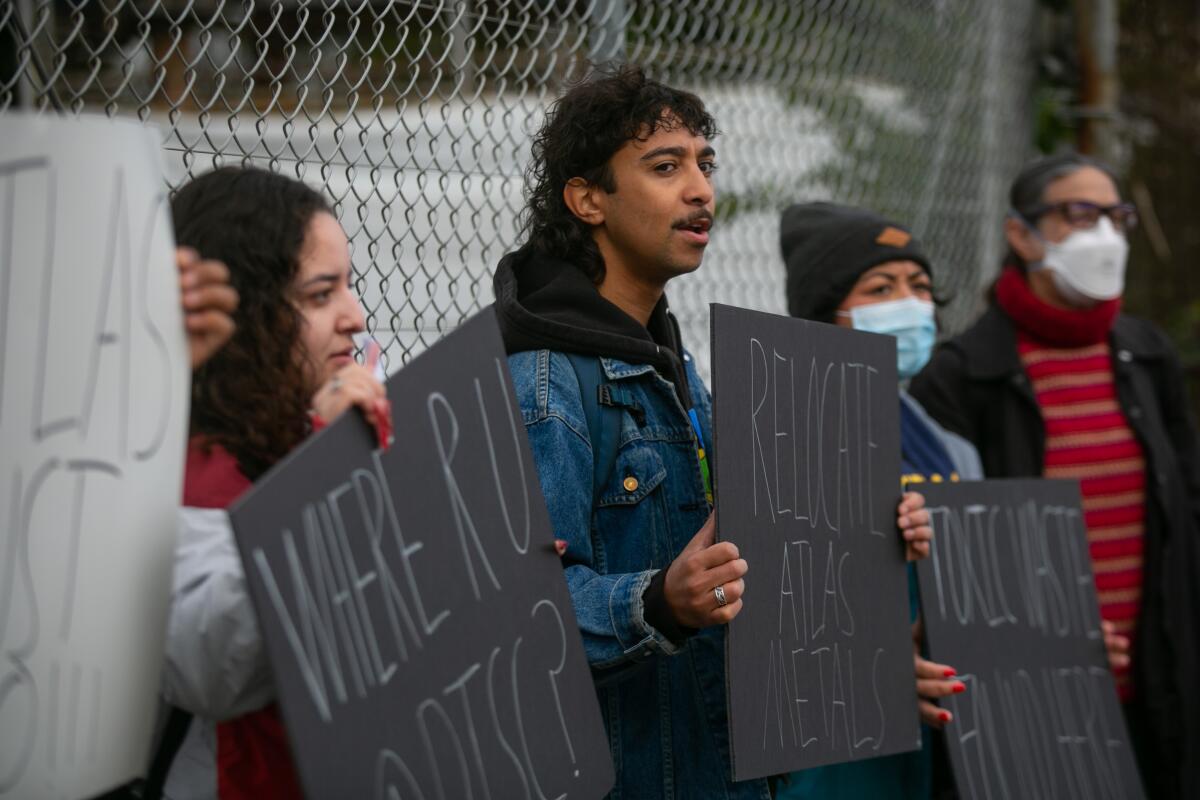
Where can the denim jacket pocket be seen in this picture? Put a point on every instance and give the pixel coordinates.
(638, 472)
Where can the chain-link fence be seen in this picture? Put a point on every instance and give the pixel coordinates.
(416, 116)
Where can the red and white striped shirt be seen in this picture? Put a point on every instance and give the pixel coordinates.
(1088, 438)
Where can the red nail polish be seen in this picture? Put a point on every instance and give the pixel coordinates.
(944, 716)
(959, 688)
(949, 673)
(383, 422)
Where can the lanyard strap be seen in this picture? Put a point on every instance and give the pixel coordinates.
(704, 472)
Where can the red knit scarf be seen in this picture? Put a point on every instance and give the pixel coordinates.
(1058, 327)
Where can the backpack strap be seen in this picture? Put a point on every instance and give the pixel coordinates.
(601, 402)
(174, 732)
(604, 428)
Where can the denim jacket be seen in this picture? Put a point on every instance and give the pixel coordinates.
(664, 705)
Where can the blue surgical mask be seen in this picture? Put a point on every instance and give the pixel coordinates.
(910, 320)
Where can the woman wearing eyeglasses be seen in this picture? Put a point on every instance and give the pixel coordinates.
(1054, 381)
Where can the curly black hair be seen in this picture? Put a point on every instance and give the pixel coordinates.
(581, 133)
(252, 397)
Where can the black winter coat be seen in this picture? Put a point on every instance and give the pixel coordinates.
(976, 387)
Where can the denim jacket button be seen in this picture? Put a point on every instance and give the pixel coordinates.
(631, 484)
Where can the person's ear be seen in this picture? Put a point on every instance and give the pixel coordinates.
(585, 200)
(1022, 240)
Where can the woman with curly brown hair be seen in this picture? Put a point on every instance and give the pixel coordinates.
(288, 369)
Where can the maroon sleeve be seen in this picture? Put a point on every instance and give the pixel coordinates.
(211, 477)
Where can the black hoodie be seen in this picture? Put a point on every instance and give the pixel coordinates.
(545, 303)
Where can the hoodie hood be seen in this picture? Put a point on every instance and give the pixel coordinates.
(545, 303)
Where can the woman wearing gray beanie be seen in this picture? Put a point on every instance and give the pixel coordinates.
(849, 266)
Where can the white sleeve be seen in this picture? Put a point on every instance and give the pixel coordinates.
(216, 665)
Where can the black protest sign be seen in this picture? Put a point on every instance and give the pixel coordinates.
(807, 473)
(1008, 600)
(419, 628)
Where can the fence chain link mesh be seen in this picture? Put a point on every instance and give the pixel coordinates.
(416, 118)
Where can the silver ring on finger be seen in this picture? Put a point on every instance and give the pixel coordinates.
(335, 383)
(720, 595)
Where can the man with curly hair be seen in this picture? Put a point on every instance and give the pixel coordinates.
(620, 201)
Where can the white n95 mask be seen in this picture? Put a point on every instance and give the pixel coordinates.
(910, 320)
(1089, 265)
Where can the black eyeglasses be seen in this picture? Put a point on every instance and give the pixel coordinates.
(1082, 215)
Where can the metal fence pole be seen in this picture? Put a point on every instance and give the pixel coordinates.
(24, 12)
(458, 28)
(1100, 87)
(607, 21)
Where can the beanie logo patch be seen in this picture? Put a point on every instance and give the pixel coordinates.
(893, 237)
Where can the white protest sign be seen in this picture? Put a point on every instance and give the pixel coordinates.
(93, 414)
